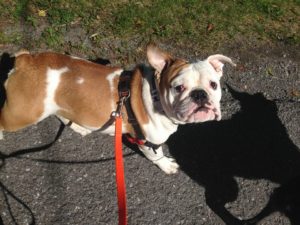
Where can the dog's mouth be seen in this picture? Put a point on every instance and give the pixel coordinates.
(204, 113)
(201, 113)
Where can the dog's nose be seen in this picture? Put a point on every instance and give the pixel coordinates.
(199, 95)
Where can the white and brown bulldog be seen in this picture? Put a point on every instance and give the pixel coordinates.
(175, 92)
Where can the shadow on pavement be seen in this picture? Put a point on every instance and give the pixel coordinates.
(10, 195)
(19, 154)
(6, 64)
(252, 144)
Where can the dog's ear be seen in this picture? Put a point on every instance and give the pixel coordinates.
(157, 58)
(217, 62)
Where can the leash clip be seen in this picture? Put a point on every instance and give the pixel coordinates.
(118, 112)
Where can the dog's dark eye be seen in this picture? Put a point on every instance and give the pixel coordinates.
(179, 88)
(213, 85)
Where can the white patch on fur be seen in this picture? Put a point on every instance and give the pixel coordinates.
(63, 120)
(79, 80)
(110, 78)
(110, 130)
(159, 123)
(52, 81)
(11, 72)
(77, 58)
(79, 129)
(207, 74)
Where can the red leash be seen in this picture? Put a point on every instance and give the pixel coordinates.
(120, 178)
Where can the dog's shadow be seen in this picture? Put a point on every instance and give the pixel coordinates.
(252, 144)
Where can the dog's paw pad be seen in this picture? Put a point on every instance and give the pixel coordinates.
(168, 165)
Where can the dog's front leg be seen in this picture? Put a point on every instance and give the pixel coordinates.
(168, 165)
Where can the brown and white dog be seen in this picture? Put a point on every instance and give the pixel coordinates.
(86, 93)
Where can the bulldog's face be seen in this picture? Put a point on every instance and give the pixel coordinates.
(189, 92)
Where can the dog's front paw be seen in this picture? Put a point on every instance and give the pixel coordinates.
(168, 165)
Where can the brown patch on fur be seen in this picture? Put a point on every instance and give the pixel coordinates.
(170, 72)
(25, 91)
(136, 99)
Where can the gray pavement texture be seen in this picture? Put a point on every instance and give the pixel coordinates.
(246, 165)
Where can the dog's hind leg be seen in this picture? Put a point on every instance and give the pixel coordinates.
(19, 111)
(14, 118)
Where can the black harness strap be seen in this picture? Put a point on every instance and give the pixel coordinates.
(152, 145)
(124, 91)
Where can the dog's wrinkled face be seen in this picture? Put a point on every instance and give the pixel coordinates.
(189, 92)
